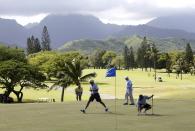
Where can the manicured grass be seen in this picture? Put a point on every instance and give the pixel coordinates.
(143, 83)
(169, 115)
(174, 106)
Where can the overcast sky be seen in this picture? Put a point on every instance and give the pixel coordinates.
(109, 11)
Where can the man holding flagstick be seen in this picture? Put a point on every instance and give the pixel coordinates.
(142, 104)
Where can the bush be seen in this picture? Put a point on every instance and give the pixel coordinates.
(6, 99)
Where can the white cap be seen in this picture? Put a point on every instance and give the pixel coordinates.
(91, 81)
(126, 77)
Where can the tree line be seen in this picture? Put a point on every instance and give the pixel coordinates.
(34, 45)
(15, 71)
(146, 57)
(18, 71)
(21, 71)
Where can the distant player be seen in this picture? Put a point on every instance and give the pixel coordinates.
(79, 92)
(142, 103)
(94, 95)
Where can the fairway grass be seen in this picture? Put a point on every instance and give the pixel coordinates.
(169, 115)
(143, 83)
(174, 106)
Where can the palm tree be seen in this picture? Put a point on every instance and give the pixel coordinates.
(63, 82)
(71, 73)
(74, 70)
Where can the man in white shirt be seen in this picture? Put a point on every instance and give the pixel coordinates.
(94, 95)
(129, 92)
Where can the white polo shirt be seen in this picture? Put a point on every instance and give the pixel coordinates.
(94, 88)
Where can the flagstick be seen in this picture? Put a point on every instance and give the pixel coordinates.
(112, 73)
(116, 123)
(152, 106)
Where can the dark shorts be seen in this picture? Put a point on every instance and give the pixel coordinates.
(146, 106)
(79, 93)
(95, 96)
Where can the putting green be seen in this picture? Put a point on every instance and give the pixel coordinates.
(169, 115)
(173, 106)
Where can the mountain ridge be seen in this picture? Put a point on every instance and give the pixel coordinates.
(117, 44)
(182, 21)
(64, 28)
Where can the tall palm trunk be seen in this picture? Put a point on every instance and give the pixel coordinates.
(62, 95)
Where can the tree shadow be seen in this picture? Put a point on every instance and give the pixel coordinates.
(98, 83)
(143, 87)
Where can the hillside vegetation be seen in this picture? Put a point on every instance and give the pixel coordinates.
(117, 44)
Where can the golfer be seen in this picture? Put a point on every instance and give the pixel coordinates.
(94, 95)
(142, 103)
(78, 92)
(129, 92)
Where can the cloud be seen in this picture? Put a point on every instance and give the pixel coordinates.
(156, 8)
(149, 7)
(112, 11)
(122, 16)
(24, 20)
(32, 7)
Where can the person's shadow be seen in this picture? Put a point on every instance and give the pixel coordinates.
(108, 113)
(152, 115)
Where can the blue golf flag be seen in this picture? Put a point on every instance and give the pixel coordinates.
(111, 72)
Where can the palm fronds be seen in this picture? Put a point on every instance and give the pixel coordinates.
(88, 76)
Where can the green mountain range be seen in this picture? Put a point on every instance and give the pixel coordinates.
(117, 44)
